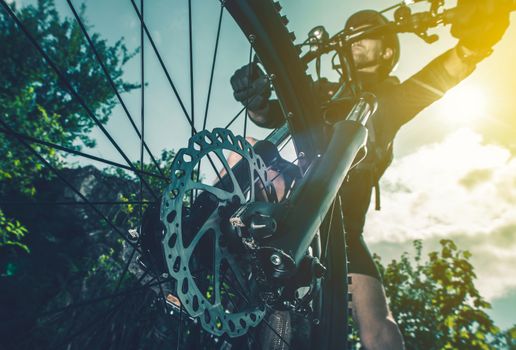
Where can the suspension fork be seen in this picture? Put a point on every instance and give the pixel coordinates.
(286, 230)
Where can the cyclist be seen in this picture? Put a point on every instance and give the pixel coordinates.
(481, 25)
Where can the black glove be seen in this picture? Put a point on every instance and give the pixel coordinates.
(251, 87)
(480, 24)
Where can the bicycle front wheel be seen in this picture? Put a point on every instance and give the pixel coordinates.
(109, 291)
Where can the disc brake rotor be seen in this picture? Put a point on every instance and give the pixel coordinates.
(214, 281)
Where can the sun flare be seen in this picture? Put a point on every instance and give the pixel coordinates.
(464, 103)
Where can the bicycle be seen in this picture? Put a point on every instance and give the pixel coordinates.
(221, 242)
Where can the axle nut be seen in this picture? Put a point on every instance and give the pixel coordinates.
(276, 260)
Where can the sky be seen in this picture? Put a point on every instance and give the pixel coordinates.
(454, 172)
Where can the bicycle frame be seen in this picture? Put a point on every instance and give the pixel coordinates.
(327, 163)
(305, 210)
(296, 220)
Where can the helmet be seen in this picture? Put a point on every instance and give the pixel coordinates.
(373, 18)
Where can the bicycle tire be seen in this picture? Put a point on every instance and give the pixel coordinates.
(273, 43)
(261, 20)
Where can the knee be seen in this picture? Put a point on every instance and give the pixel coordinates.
(251, 140)
(381, 334)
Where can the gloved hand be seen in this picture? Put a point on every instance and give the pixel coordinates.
(480, 23)
(251, 87)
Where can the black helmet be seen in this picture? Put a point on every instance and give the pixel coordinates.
(374, 18)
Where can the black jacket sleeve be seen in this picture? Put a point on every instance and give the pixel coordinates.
(400, 103)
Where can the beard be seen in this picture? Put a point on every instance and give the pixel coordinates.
(363, 59)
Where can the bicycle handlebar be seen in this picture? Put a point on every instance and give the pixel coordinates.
(413, 23)
(417, 23)
(422, 21)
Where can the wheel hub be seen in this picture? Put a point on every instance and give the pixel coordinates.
(200, 245)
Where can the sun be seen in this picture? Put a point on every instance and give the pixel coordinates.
(464, 104)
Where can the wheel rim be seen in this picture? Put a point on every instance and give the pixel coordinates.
(144, 154)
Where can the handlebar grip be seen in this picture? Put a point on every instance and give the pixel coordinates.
(449, 15)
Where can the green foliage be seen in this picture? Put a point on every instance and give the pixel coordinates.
(510, 337)
(164, 163)
(11, 234)
(35, 103)
(436, 303)
(66, 244)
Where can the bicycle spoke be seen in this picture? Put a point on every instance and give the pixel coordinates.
(326, 243)
(163, 296)
(281, 173)
(246, 117)
(286, 143)
(75, 190)
(74, 203)
(192, 94)
(179, 329)
(94, 301)
(213, 61)
(114, 311)
(112, 84)
(142, 139)
(92, 324)
(126, 267)
(210, 85)
(96, 320)
(250, 332)
(70, 88)
(234, 266)
(264, 320)
(81, 154)
(219, 193)
(236, 117)
(89, 322)
(241, 111)
(171, 83)
(272, 328)
(165, 71)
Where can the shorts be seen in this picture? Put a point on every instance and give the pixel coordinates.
(356, 196)
(359, 256)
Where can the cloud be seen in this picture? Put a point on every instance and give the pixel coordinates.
(461, 189)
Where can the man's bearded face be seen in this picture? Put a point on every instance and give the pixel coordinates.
(367, 53)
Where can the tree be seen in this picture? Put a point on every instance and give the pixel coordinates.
(36, 103)
(43, 253)
(436, 303)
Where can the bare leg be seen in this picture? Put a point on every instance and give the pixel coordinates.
(377, 327)
(234, 157)
(279, 181)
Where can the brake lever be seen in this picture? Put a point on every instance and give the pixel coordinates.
(435, 6)
(428, 38)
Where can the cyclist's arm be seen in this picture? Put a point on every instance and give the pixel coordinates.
(425, 87)
(271, 116)
(460, 62)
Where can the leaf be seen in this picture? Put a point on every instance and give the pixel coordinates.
(436, 302)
